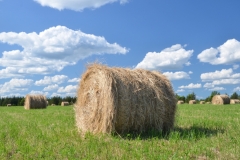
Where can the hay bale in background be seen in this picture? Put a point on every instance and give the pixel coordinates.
(234, 101)
(220, 99)
(53, 105)
(208, 102)
(8, 105)
(180, 102)
(65, 104)
(35, 102)
(123, 100)
(192, 102)
(202, 102)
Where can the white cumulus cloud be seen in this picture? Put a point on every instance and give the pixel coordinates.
(174, 57)
(15, 85)
(223, 74)
(227, 53)
(51, 50)
(191, 86)
(47, 80)
(176, 75)
(217, 89)
(237, 89)
(68, 89)
(51, 87)
(76, 5)
(226, 82)
(74, 80)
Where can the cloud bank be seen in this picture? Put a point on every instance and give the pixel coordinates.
(51, 50)
(76, 5)
(228, 53)
(174, 57)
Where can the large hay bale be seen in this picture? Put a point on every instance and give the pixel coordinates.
(9, 105)
(220, 99)
(123, 100)
(65, 104)
(180, 102)
(234, 101)
(192, 102)
(35, 102)
(202, 102)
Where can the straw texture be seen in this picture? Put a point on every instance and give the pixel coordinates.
(35, 102)
(123, 100)
(220, 99)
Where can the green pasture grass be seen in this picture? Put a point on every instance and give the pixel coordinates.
(201, 132)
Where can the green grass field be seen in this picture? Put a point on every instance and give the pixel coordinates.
(201, 132)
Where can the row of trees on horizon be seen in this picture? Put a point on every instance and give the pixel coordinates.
(57, 100)
(192, 96)
(19, 101)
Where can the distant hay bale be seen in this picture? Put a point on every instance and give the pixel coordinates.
(202, 102)
(234, 101)
(35, 102)
(122, 100)
(220, 99)
(53, 105)
(180, 102)
(8, 105)
(192, 102)
(208, 102)
(65, 104)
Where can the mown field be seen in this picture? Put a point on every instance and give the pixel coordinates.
(201, 132)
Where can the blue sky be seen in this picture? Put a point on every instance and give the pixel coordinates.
(45, 45)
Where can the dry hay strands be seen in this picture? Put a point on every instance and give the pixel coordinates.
(202, 102)
(192, 102)
(35, 102)
(220, 99)
(234, 101)
(65, 104)
(180, 102)
(118, 100)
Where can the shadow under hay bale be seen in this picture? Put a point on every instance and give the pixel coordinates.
(234, 101)
(220, 99)
(65, 104)
(192, 102)
(118, 100)
(35, 102)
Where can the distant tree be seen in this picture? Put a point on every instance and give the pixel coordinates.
(191, 96)
(209, 99)
(234, 95)
(180, 98)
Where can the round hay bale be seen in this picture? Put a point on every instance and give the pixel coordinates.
(65, 104)
(192, 102)
(53, 105)
(123, 100)
(208, 102)
(234, 101)
(202, 102)
(220, 99)
(9, 105)
(180, 102)
(35, 102)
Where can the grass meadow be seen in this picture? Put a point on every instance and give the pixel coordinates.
(201, 132)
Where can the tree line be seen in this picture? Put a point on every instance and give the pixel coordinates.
(19, 101)
(192, 96)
